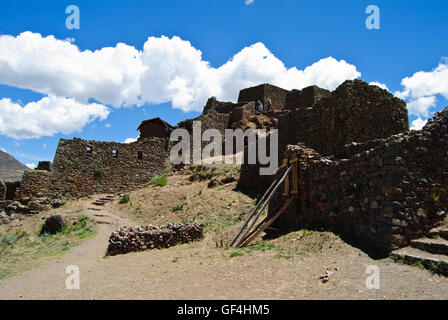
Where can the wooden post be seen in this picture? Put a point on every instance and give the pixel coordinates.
(295, 181)
(286, 183)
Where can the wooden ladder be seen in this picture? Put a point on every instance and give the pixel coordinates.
(248, 233)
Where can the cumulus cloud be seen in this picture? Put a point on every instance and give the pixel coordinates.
(32, 166)
(421, 89)
(47, 117)
(418, 124)
(166, 70)
(248, 2)
(57, 67)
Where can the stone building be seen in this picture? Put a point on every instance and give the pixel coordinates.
(381, 194)
(154, 127)
(354, 112)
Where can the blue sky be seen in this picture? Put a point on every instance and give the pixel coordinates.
(293, 34)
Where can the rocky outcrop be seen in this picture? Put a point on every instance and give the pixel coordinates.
(128, 239)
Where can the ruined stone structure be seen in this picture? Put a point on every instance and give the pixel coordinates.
(264, 92)
(84, 167)
(381, 193)
(354, 112)
(128, 239)
(155, 127)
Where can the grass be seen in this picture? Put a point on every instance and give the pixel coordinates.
(21, 251)
(125, 198)
(433, 267)
(159, 181)
(177, 207)
(236, 254)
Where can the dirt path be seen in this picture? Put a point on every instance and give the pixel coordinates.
(202, 271)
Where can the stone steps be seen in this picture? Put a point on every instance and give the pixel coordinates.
(441, 232)
(435, 246)
(103, 200)
(413, 256)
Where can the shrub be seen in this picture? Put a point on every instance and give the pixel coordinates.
(159, 181)
(8, 239)
(125, 198)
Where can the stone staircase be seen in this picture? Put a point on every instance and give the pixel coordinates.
(430, 253)
(102, 201)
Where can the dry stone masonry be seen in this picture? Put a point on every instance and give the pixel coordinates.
(128, 239)
(325, 122)
(382, 193)
(83, 167)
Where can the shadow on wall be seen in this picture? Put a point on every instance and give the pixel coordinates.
(381, 194)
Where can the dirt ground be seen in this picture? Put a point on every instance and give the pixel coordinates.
(289, 267)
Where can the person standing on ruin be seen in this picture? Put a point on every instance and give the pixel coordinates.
(269, 105)
(259, 107)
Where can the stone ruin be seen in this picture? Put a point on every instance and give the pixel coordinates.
(362, 172)
(128, 239)
(382, 193)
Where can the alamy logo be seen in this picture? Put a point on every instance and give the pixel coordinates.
(72, 21)
(72, 281)
(373, 280)
(257, 143)
(373, 20)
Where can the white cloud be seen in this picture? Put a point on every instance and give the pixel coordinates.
(378, 84)
(418, 124)
(32, 166)
(47, 117)
(130, 140)
(248, 2)
(422, 88)
(166, 70)
(4, 150)
(57, 67)
(420, 106)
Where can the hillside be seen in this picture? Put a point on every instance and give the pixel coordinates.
(10, 168)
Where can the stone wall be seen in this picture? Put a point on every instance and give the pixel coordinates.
(36, 183)
(383, 196)
(83, 167)
(264, 92)
(354, 112)
(2, 190)
(306, 97)
(86, 167)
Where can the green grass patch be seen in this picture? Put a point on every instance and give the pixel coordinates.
(125, 198)
(159, 181)
(236, 254)
(179, 207)
(20, 251)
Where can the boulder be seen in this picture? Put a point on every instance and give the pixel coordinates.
(54, 224)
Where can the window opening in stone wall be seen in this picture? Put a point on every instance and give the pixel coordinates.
(140, 155)
(89, 149)
(115, 153)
